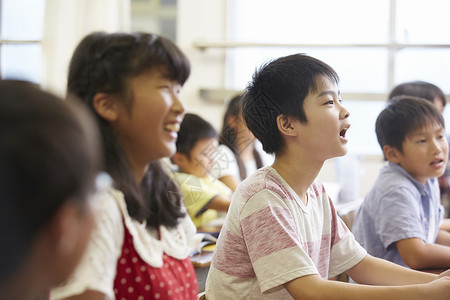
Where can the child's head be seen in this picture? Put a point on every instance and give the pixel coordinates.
(131, 82)
(231, 120)
(421, 89)
(114, 73)
(49, 158)
(106, 62)
(411, 132)
(279, 88)
(235, 133)
(196, 146)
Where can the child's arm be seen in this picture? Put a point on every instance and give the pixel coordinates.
(230, 182)
(372, 271)
(219, 203)
(443, 237)
(445, 225)
(419, 255)
(314, 287)
(376, 271)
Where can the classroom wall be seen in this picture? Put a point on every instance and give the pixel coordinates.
(203, 20)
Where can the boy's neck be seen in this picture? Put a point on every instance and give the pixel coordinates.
(299, 173)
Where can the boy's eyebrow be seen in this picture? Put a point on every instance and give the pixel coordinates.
(420, 132)
(331, 93)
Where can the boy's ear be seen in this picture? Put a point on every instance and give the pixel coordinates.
(179, 159)
(392, 154)
(106, 106)
(285, 125)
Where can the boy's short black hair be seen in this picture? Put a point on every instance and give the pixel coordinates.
(280, 87)
(402, 116)
(421, 89)
(192, 129)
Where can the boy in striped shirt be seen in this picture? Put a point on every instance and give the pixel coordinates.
(282, 238)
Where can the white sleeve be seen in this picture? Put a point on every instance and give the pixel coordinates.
(97, 268)
(225, 163)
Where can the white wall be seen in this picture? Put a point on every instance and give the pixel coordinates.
(202, 20)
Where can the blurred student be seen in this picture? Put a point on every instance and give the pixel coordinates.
(131, 82)
(239, 154)
(435, 95)
(400, 217)
(420, 89)
(203, 195)
(49, 157)
(282, 238)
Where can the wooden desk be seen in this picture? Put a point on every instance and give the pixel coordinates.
(213, 230)
(202, 260)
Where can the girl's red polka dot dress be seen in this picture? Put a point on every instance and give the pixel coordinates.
(135, 279)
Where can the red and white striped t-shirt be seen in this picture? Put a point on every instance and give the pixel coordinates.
(270, 237)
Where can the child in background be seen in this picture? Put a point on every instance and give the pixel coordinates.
(420, 89)
(49, 157)
(131, 83)
(435, 95)
(238, 155)
(400, 217)
(203, 195)
(282, 238)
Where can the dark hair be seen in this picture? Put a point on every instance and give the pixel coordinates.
(419, 89)
(280, 87)
(49, 154)
(228, 134)
(403, 115)
(192, 129)
(106, 63)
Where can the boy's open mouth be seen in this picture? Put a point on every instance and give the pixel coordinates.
(343, 132)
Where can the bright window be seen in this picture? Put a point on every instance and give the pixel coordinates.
(21, 27)
(359, 39)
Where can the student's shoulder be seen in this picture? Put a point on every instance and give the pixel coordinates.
(185, 178)
(393, 177)
(392, 185)
(218, 185)
(317, 188)
(265, 179)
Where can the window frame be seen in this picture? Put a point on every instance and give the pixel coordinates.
(14, 42)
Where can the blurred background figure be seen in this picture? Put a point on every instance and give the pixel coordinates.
(435, 95)
(239, 153)
(420, 89)
(203, 195)
(49, 157)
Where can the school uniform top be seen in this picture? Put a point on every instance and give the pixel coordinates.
(126, 260)
(198, 192)
(397, 207)
(270, 237)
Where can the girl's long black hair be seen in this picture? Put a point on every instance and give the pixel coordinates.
(106, 63)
